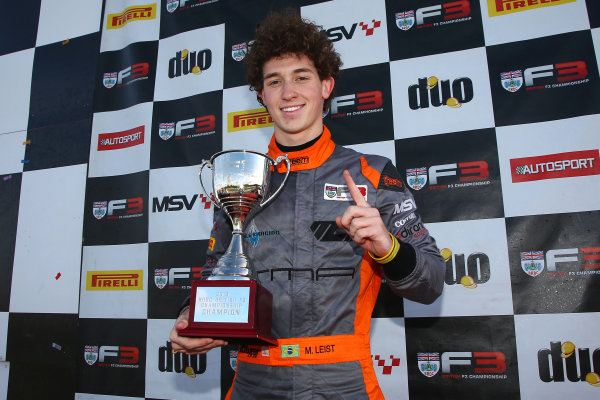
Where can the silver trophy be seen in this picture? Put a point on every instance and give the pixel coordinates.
(230, 303)
(241, 181)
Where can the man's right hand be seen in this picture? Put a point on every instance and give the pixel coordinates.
(190, 345)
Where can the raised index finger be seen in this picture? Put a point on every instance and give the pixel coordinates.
(354, 192)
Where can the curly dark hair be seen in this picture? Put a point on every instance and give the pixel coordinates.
(288, 33)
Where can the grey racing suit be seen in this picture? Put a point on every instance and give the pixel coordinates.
(325, 286)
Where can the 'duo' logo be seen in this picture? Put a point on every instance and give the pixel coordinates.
(440, 92)
(186, 61)
(566, 357)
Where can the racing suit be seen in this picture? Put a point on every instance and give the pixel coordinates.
(324, 285)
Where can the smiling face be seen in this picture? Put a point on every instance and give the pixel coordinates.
(294, 94)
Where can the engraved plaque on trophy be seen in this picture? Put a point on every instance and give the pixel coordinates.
(230, 304)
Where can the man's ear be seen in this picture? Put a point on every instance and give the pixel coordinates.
(327, 85)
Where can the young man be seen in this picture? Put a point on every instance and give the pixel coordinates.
(332, 235)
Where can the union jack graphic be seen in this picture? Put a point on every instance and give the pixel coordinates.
(428, 356)
(406, 14)
(511, 74)
(416, 171)
(532, 255)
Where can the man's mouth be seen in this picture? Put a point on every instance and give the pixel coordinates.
(291, 108)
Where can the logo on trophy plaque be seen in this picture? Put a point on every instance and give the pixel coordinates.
(231, 304)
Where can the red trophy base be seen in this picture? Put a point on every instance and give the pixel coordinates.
(236, 311)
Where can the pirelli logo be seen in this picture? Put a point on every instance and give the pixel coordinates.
(115, 280)
(134, 13)
(249, 119)
(503, 7)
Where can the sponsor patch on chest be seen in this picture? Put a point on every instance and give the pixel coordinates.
(341, 192)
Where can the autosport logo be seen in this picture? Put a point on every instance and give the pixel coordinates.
(449, 176)
(435, 92)
(504, 7)
(248, 119)
(436, 15)
(357, 104)
(550, 76)
(463, 364)
(120, 140)
(367, 29)
(112, 356)
(562, 262)
(564, 357)
(134, 13)
(134, 73)
(187, 128)
(553, 166)
(468, 271)
(176, 278)
(182, 5)
(118, 209)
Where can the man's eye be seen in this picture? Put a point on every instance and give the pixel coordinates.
(273, 83)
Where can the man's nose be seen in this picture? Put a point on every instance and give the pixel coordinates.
(289, 90)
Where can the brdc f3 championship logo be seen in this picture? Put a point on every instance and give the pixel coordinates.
(173, 5)
(549, 76)
(562, 262)
(341, 192)
(429, 363)
(454, 175)
(436, 15)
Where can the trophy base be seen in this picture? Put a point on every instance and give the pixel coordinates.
(243, 337)
(238, 311)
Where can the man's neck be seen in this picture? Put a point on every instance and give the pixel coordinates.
(298, 139)
(299, 147)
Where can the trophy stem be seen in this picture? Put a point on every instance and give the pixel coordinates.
(234, 264)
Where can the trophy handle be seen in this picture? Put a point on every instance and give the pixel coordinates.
(277, 162)
(213, 198)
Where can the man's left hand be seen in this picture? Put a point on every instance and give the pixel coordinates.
(363, 223)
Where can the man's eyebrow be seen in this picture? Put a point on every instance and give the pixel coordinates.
(296, 71)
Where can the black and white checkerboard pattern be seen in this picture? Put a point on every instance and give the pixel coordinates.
(490, 107)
